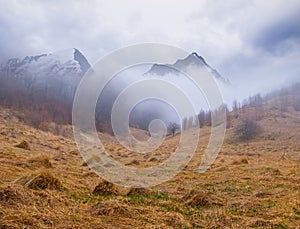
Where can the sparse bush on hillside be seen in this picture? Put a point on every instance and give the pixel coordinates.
(248, 130)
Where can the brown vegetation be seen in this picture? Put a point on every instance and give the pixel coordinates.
(23, 145)
(43, 180)
(250, 185)
(105, 188)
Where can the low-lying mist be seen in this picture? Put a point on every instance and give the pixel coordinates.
(132, 82)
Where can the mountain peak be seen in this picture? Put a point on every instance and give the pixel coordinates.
(66, 62)
(192, 60)
(58, 71)
(83, 62)
(198, 56)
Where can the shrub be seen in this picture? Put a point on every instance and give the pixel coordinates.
(248, 130)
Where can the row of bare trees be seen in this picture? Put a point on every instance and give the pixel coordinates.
(250, 111)
(34, 105)
(43, 105)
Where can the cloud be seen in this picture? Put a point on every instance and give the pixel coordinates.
(246, 41)
(279, 37)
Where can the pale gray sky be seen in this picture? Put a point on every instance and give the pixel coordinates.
(255, 43)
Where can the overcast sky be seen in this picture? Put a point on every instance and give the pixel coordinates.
(255, 44)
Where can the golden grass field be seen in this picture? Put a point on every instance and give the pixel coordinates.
(44, 182)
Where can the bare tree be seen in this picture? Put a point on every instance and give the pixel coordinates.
(173, 127)
(297, 104)
(201, 118)
(235, 108)
(184, 123)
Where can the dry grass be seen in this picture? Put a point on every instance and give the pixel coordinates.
(241, 161)
(105, 188)
(250, 185)
(42, 160)
(23, 145)
(138, 191)
(201, 199)
(43, 180)
(111, 208)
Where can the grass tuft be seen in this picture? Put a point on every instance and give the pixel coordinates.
(23, 145)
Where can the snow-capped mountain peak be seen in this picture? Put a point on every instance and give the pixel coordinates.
(67, 62)
(192, 60)
(60, 71)
(83, 62)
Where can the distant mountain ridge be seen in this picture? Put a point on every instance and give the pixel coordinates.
(59, 72)
(51, 80)
(182, 64)
(63, 62)
(66, 68)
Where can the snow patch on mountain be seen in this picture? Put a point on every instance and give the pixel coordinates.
(60, 71)
(68, 62)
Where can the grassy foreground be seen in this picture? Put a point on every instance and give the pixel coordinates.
(44, 183)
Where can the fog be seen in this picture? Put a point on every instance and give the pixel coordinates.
(255, 44)
(153, 104)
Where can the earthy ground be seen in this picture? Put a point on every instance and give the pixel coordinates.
(44, 182)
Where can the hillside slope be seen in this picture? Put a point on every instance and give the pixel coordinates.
(250, 185)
